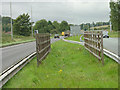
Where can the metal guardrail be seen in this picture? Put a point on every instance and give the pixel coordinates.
(11, 72)
(112, 55)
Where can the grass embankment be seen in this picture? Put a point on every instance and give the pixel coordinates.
(75, 38)
(68, 65)
(113, 34)
(6, 39)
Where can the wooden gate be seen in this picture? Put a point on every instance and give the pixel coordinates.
(42, 46)
(94, 43)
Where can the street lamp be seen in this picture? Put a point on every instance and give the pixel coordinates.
(31, 22)
(110, 24)
(11, 21)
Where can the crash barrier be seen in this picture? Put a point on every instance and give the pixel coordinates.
(94, 43)
(42, 46)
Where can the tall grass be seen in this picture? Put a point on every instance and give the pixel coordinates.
(113, 34)
(6, 39)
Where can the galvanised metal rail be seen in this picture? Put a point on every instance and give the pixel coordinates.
(5, 76)
(112, 55)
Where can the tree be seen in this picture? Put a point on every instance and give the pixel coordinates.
(56, 26)
(49, 23)
(6, 24)
(115, 15)
(22, 25)
(118, 15)
(54, 31)
(50, 26)
(41, 26)
(88, 26)
(82, 26)
(64, 26)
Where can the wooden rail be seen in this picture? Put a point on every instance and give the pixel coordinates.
(42, 46)
(94, 43)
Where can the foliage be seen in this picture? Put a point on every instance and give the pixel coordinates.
(64, 26)
(56, 27)
(22, 25)
(6, 39)
(41, 26)
(87, 26)
(114, 34)
(115, 15)
(48, 27)
(6, 24)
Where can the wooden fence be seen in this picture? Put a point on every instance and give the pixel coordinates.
(94, 43)
(42, 46)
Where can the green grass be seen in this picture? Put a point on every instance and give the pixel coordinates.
(113, 34)
(75, 38)
(52, 36)
(79, 68)
(6, 39)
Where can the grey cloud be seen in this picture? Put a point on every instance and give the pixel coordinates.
(73, 12)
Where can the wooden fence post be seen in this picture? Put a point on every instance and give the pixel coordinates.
(94, 43)
(102, 55)
(42, 46)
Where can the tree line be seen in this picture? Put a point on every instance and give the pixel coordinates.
(6, 24)
(115, 15)
(87, 26)
(44, 26)
(22, 25)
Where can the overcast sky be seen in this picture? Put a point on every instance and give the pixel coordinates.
(73, 11)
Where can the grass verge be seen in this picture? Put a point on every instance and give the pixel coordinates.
(75, 38)
(67, 66)
(113, 34)
(7, 41)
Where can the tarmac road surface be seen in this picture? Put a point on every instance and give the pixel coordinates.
(111, 44)
(13, 54)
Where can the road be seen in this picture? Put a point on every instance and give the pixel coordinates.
(13, 54)
(111, 44)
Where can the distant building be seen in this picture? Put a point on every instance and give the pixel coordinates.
(75, 30)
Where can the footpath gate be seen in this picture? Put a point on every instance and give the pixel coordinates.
(42, 46)
(94, 43)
